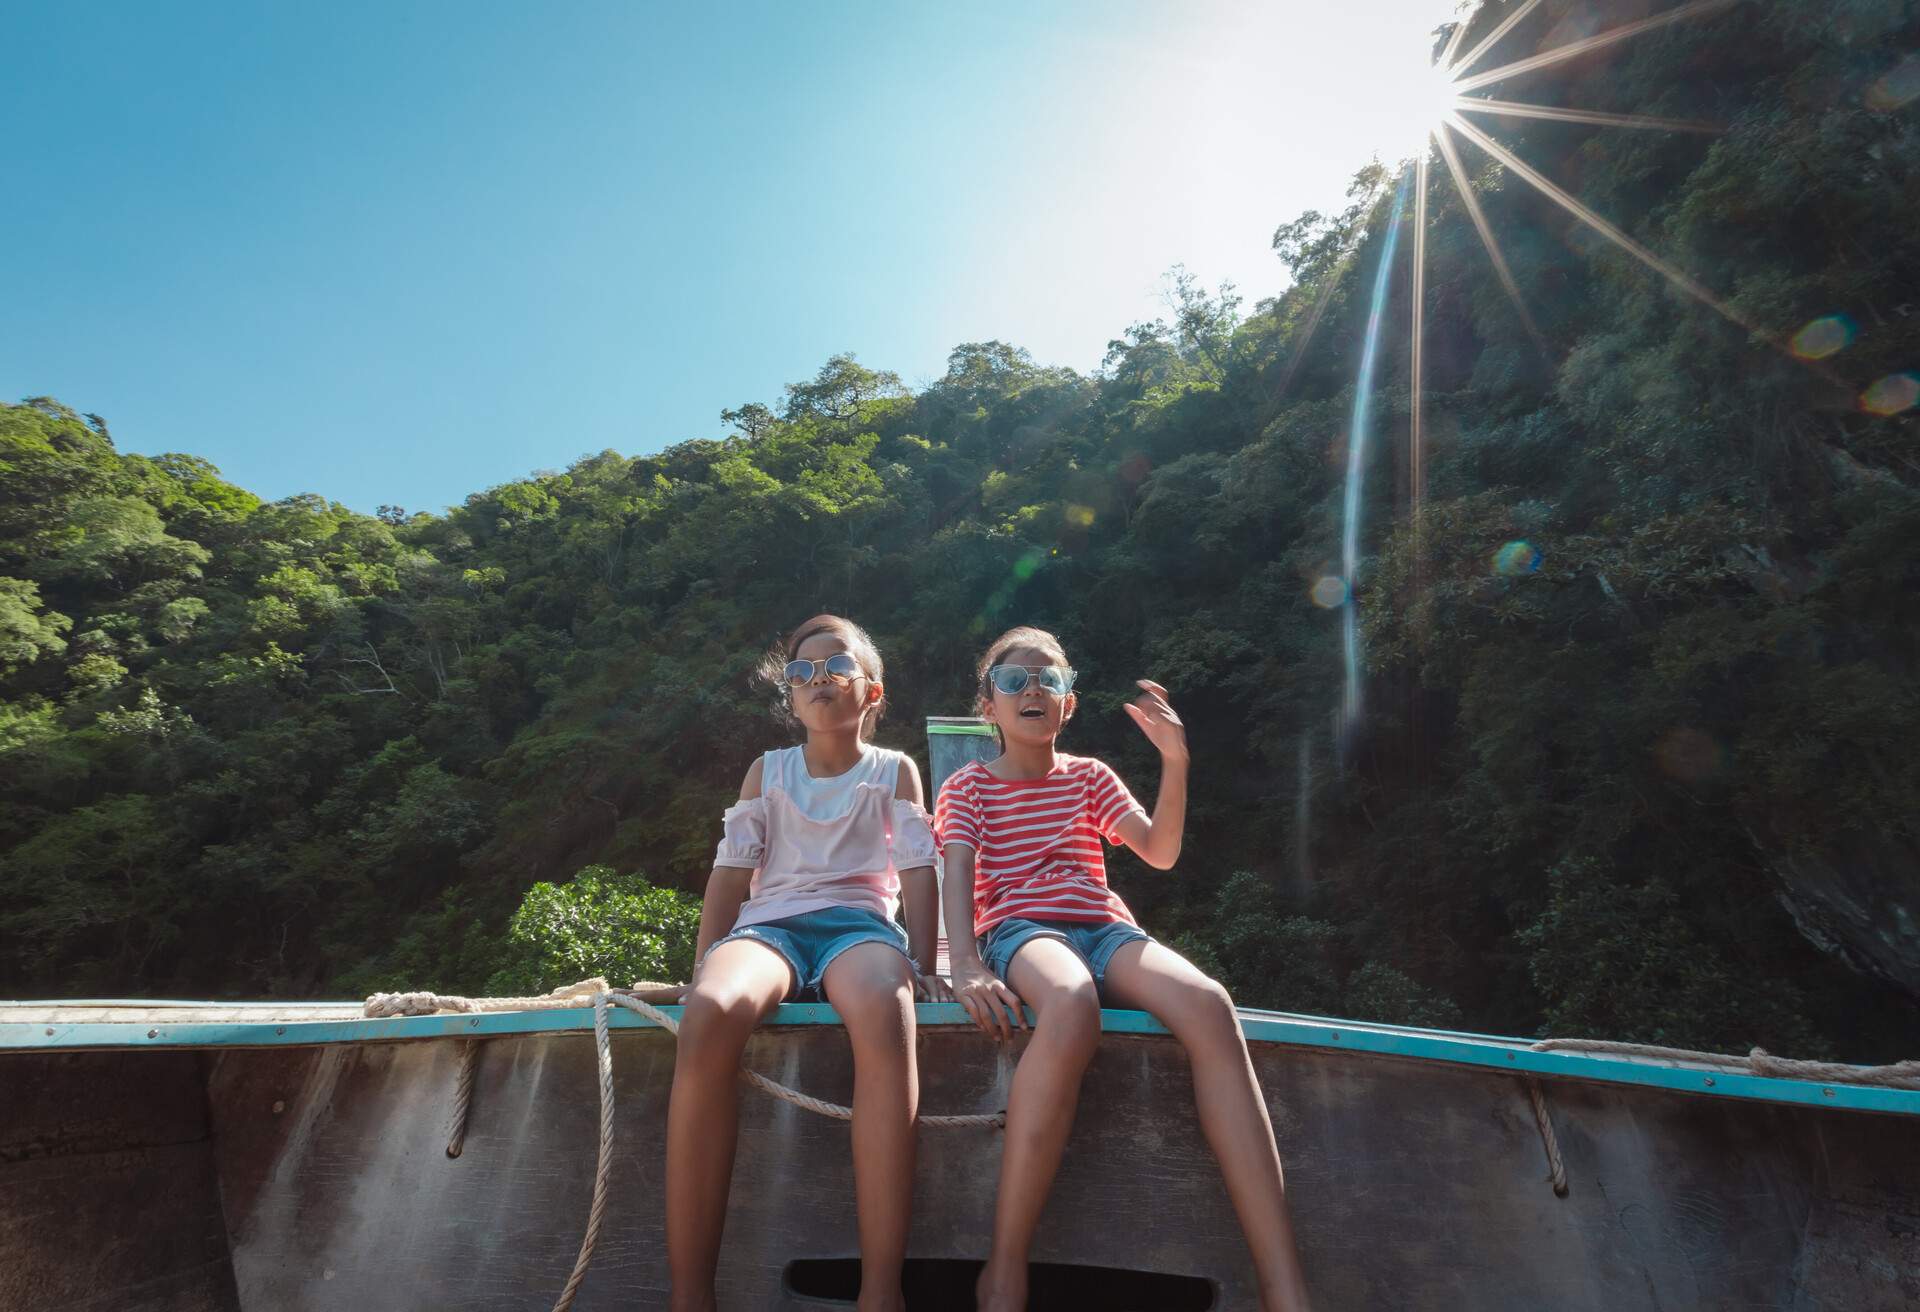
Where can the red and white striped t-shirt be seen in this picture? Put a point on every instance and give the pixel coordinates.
(1036, 842)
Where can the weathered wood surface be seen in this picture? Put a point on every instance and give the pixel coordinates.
(107, 1192)
(1415, 1184)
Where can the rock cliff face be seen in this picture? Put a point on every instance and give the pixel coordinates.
(1860, 901)
(1854, 893)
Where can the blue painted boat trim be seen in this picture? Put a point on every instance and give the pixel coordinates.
(1261, 1027)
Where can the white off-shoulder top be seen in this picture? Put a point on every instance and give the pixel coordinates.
(817, 843)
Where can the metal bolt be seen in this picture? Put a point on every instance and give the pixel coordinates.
(1333, 1034)
(1827, 1092)
(153, 1034)
(280, 1029)
(278, 1106)
(1709, 1081)
(474, 1023)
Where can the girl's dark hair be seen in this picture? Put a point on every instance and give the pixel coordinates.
(772, 669)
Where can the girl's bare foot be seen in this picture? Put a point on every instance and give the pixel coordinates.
(1002, 1288)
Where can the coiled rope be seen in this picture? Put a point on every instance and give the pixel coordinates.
(1899, 1075)
(596, 993)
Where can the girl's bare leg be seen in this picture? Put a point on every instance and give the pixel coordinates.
(871, 987)
(1049, 977)
(1233, 1114)
(740, 982)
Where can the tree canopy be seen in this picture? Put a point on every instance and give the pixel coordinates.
(1640, 665)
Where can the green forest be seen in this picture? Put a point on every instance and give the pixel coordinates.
(1639, 647)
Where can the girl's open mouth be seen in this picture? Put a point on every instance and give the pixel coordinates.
(1032, 713)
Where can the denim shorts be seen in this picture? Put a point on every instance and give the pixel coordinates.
(1094, 942)
(811, 940)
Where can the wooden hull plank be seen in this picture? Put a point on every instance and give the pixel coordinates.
(108, 1197)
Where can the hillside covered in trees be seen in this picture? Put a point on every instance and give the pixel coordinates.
(1637, 756)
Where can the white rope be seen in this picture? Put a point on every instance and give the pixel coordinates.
(1556, 1169)
(982, 1120)
(463, 1096)
(588, 992)
(598, 1210)
(1899, 1075)
(425, 1004)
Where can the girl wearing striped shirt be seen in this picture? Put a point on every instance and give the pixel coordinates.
(1022, 840)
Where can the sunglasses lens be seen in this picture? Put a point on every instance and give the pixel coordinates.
(1057, 679)
(1009, 679)
(842, 667)
(799, 672)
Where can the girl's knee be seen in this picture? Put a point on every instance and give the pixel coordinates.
(1204, 1012)
(716, 1020)
(1071, 1014)
(876, 1009)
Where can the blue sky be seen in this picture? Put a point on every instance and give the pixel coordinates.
(400, 252)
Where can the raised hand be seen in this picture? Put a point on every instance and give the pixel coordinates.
(1158, 720)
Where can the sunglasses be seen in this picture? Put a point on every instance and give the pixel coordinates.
(840, 667)
(1011, 679)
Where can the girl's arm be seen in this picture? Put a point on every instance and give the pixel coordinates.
(1157, 840)
(920, 895)
(727, 888)
(986, 999)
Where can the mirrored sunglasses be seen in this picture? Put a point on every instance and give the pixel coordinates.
(1011, 679)
(840, 667)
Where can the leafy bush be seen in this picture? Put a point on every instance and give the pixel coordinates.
(600, 922)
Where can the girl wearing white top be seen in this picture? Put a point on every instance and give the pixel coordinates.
(817, 852)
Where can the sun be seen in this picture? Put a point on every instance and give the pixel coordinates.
(1408, 96)
(1413, 100)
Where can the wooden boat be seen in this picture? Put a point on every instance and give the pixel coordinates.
(197, 1156)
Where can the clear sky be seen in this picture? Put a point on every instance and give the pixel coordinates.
(399, 252)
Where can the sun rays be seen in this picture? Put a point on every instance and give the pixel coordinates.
(1453, 121)
(1441, 111)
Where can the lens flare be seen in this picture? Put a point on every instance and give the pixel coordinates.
(1516, 558)
(1892, 395)
(1599, 118)
(1329, 592)
(1356, 455)
(1896, 87)
(1823, 337)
